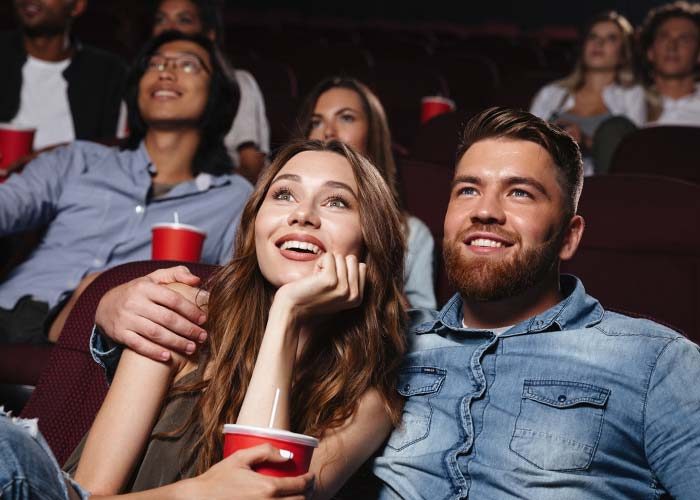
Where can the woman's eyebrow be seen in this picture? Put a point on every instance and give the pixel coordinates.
(286, 177)
(340, 185)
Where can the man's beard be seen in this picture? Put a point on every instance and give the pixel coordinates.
(484, 279)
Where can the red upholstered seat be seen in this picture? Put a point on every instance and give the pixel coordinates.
(667, 151)
(641, 247)
(72, 386)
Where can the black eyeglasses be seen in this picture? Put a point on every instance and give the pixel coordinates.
(187, 63)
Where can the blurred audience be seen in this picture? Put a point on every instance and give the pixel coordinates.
(601, 86)
(65, 89)
(670, 44)
(100, 203)
(248, 141)
(347, 110)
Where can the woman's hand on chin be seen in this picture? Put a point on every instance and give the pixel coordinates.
(337, 283)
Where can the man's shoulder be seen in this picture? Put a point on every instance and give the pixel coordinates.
(618, 324)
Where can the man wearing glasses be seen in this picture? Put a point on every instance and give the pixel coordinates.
(100, 202)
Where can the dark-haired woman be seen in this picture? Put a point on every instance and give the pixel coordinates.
(347, 110)
(313, 293)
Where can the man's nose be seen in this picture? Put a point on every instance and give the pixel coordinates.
(488, 209)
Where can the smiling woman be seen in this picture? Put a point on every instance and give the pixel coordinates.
(313, 292)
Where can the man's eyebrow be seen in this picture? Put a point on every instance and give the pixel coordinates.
(467, 179)
(527, 181)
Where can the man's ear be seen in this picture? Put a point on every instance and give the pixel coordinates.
(78, 8)
(572, 237)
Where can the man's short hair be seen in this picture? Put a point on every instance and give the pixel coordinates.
(659, 15)
(506, 123)
(222, 104)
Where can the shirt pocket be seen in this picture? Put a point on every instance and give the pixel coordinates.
(418, 385)
(559, 424)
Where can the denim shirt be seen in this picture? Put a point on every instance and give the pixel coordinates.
(574, 403)
(97, 204)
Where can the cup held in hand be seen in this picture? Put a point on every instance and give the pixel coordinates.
(174, 241)
(238, 437)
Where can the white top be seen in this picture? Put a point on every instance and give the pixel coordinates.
(250, 123)
(620, 101)
(44, 102)
(419, 285)
(683, 111)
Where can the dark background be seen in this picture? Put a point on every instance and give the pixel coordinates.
(524, 13)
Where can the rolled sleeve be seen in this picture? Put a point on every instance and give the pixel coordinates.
(672, 433)
(105, 352)
(29, 199)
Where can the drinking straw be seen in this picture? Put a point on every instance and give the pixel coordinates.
(177, 218)
(274, 408)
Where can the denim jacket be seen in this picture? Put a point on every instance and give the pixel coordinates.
(575, 403)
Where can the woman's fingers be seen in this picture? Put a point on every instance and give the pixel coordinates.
(362, 269)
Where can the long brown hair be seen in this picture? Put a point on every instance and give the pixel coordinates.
(360, 348)
(378, 134)
(625, 74)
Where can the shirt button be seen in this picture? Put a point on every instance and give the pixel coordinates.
(97, 262)
(561, 398)
(138, 209)
(407, 387)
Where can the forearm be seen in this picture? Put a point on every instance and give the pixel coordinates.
(123, 423)
(274, 369)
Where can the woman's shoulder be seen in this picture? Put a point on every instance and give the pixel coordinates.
(548, 99)
(417, 229)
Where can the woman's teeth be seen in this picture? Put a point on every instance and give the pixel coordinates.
(300, 246)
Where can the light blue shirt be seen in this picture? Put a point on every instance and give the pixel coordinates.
(95, 202)
(575, 403)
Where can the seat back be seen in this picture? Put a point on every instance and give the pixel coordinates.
(641, 248)
(437, 139)
(668, 151)
(72, 386)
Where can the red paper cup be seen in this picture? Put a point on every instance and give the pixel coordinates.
(435, 105)
(238, 437)
(173, 241)
(15, 142)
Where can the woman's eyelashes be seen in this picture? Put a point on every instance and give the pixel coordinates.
(333, 200)
(348, 118)
(282, 194)
(337, 201)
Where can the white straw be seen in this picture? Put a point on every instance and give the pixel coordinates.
(177, 218)
(274, 408)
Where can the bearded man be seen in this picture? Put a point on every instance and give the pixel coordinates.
(523, 386)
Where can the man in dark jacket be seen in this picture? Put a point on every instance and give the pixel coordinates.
(63, 88)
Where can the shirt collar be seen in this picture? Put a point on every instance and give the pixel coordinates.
(203, 181)
(576, 310)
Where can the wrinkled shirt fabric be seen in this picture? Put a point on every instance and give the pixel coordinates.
(574, 403)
